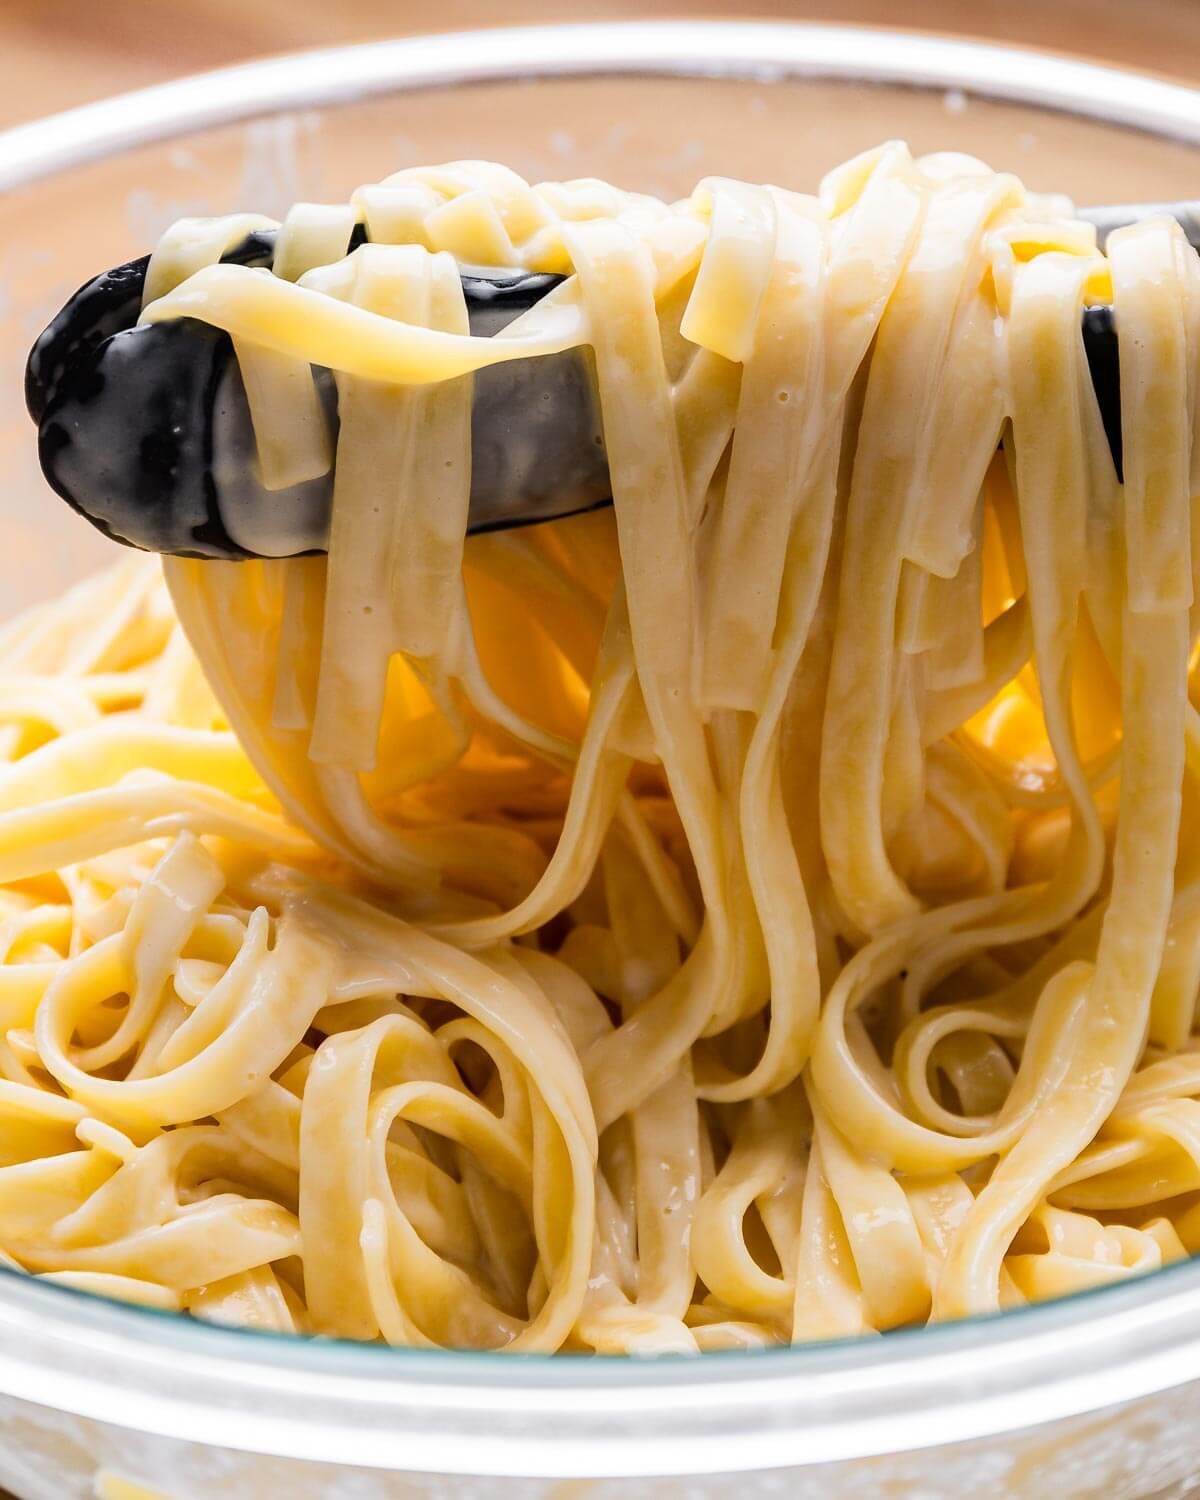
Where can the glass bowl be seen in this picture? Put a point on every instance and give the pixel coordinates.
(1093, 1396)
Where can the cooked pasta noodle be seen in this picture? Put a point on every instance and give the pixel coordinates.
(768, 910)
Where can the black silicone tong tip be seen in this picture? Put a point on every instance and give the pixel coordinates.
(144, 428)
(108, 304)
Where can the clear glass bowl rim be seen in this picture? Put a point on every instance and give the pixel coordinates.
(491, 1414)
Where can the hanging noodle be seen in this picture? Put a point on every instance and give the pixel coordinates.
(768, 910)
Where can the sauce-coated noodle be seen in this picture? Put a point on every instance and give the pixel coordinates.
(768, 910)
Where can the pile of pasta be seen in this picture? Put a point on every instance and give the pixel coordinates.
(766, 910)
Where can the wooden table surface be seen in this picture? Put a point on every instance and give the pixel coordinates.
(55, 53)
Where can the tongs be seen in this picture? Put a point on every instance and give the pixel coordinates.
(145, 429)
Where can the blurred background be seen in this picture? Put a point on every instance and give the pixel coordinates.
(55, 53)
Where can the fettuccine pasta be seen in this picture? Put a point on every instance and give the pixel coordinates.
(766, 910)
